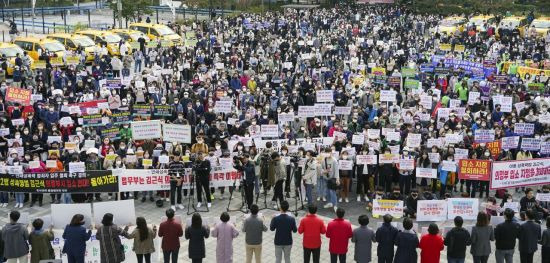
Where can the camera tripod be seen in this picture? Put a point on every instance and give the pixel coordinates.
(191, 197)
(243, 199)
(297, 190)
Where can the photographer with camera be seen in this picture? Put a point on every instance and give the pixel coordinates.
(277, 176)
(176, 170)
(264, 161)
(246, 166)
(202, 169)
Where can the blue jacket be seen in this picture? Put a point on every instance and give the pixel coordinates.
(385, 236)
(75, 239)
(284, 225)
(406, 247)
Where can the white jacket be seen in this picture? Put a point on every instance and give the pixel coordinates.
(310, 171)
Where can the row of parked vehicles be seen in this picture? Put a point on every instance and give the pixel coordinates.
(56, 44)
(453, 24)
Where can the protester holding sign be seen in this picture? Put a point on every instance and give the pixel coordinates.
(75, 236)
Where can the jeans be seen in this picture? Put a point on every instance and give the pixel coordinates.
(170, 254)
(279, 251)
(175, 193)
(334, 258)
(316, 254)
(502, 256)
(146, 256)
(309, 190)
(137, 66)
(75, 258)
(321, 186)
(481, 259)
(455, 260)
(278, 191)
(332, 197)
(4, 198)
(19, 198)
(67, 198)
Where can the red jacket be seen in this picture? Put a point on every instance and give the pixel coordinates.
(170, 231)
(431, 246)
(339, 231)
(312, 227)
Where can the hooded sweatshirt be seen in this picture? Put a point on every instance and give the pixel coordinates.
(15, 237)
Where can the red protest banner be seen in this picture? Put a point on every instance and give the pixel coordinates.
(495, 147)
(474, 169)
(17, 95)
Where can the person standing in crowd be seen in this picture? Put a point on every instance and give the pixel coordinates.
(196, 233)
(40, 242)
(406, 242)
(249, 170)
(456, 240)
(431, 245)
(15, 237)
(202, 171)
(108, 235)
(253, 227)
(225, 232)
(529, 235)
(143, 240)
(385, 237)
(482, 235)
(339, 232)
(277, 175)
(283, 225)
(75, 236)
(506, 234)
(312, 227)
(310, 174)
(363, 237)
(177, 170)
(545, 243)
(329, 169)
(170, 231)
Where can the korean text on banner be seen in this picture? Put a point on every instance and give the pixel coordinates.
(223, 106)
(382, 207)
(17, 95)
(474, 169)
(270, 130)
(431, 210)
(142, 130)
(426, 173)
(102, 181)
(510, 174)
(467, 208)
(324, 96)
(142, 180)
(176, 133)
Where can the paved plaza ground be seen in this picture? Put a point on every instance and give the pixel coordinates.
(353, 210)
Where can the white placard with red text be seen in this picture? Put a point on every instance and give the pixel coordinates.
(510, 174)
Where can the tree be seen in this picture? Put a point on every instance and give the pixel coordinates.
(132, 9)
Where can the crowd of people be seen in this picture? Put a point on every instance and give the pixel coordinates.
(272, 65)
(393, 245)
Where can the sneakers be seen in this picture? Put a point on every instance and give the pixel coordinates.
(328, 205)
(211, 196)
(318, 199)
(274, 204)
(340, 200)
(324, 199)
(199, 204)
(180, 206)
(173, 207)
(358, 199)
(209, 205)
(335, 208)
(167, 199)
(347, 200)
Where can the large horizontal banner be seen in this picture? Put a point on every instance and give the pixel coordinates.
(142, 180)
(474, 169)
(520, 173)
(60, 182)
